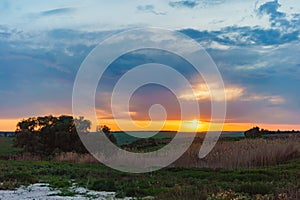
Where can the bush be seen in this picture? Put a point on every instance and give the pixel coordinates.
(183, 193)
(103, 185)
(9, 185)
(253, 133)
(50, 135)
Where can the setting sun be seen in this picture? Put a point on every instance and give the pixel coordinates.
(194, 124)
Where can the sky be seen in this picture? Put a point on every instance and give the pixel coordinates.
(254, 44)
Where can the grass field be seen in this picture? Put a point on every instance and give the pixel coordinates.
(6, 147)
(276, 182)
(178, 183)
(124, 138)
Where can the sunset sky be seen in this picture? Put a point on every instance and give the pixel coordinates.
(255, 45)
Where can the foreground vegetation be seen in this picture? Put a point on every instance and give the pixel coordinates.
(276, 182)
(244, 153)
(170, 183)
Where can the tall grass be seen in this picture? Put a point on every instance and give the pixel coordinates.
(226, 154)
(243, 153)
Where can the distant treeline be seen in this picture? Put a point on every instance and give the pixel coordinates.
(258, 132)
(280, 132)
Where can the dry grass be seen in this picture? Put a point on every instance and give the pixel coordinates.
(233, 154)
(243, 153)
(75, 158)
(26, 157)
(226, 154)
(62, 157)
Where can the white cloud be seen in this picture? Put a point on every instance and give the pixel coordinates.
(108, 15)
(233, 93)
(254, 66)
(216, 45)
(202, 93)
(270, 99)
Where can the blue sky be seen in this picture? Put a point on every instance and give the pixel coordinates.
(255, 45)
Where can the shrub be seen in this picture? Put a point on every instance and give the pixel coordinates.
(228, 195)
(103, 185)
(9, 185)
(253, 133)
(183, 193)
(60, 183)
(22, 177)
(49, 135)
(256, 188)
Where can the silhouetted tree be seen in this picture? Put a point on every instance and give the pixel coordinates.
(254, 133)
(49, 134)
(106, 130)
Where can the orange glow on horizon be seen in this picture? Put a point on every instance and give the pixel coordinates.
(171, 125)
(8, 124)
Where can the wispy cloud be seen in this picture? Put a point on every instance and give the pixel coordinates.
(271, 99)
(244, 36)
(202, 93)
(232, 93)
(186, 4)
(213, 2)
(149, 9)
(194, 3)
(57, 11)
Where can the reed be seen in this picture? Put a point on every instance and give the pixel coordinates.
(243, 153)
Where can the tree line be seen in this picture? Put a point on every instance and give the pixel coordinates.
(257, 132)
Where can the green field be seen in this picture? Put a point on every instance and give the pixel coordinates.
(169, 183)
(6, 147)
